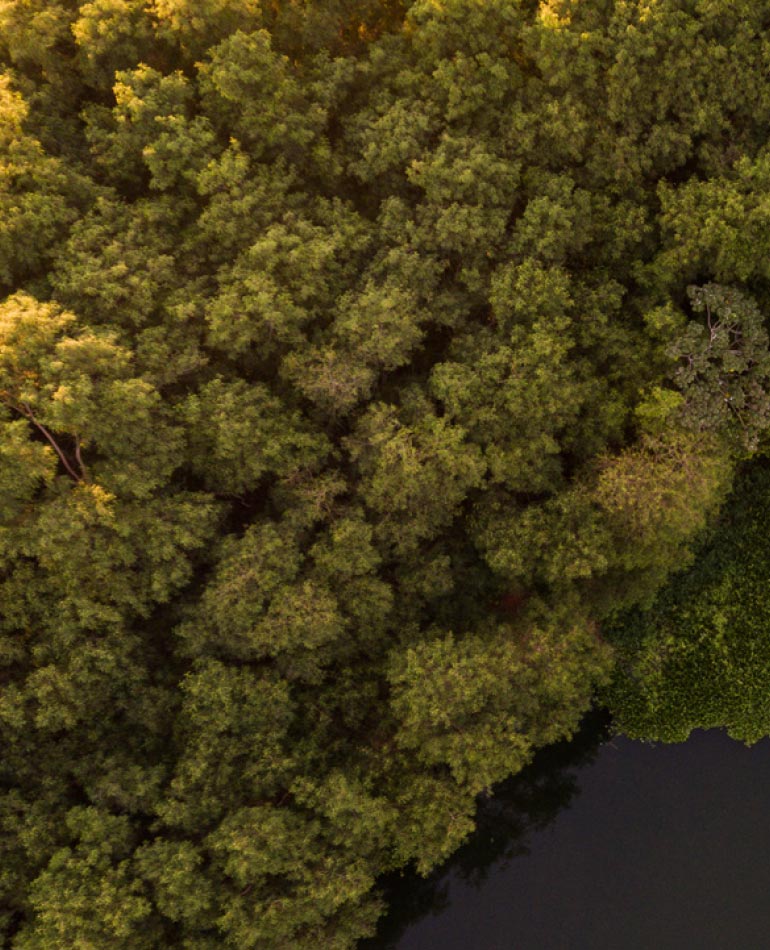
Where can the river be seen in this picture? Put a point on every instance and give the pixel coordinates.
(605, 844)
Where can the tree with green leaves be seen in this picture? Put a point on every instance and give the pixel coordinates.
(350, 385)
(699, 657)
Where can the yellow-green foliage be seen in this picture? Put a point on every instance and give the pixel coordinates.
(349, 379)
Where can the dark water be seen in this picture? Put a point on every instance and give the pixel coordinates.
(606, 845)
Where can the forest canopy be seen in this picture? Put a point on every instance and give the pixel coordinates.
(360, 360)
(700, 657)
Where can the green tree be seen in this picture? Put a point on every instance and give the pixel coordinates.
(347, 394)
(724, 367)
(698, 658)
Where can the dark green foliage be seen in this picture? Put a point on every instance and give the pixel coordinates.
(700, 657)
(724, 366)
(348, 382)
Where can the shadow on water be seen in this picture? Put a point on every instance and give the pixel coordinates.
(524, 804)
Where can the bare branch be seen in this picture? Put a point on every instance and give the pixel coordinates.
(27, 411)
(79, 457)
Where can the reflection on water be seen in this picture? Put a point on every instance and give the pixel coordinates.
(606, 845)
(524, 804)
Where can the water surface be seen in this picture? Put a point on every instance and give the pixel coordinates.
(606, 845)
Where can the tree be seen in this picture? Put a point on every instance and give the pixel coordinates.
(347, 394)
(698, 658)
(724, 367)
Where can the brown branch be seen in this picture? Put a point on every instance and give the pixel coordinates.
(27, 411)
(79, 457)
